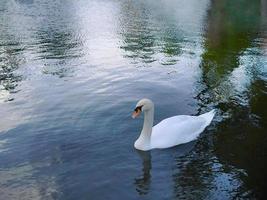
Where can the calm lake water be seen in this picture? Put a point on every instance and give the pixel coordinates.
(71, 73)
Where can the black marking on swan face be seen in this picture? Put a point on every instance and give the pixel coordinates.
(138, 108)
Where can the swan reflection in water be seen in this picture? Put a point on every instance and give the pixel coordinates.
(142, 183)
(171, 156)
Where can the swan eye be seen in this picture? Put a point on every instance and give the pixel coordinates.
(139, 108)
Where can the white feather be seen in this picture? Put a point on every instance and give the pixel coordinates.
(179, 129)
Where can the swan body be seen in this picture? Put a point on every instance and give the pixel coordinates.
(169, 132)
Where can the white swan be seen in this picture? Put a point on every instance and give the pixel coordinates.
(169, 132)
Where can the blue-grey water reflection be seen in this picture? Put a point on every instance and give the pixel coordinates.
(72, 71)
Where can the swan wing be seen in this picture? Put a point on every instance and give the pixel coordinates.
(179, 129)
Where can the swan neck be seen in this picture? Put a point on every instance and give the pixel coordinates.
(148, 122)
(144, 140)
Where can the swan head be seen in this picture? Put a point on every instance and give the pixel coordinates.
(142, 105)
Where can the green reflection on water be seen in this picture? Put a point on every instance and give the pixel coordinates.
(233, 27)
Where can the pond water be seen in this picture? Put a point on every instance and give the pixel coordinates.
(71, 73)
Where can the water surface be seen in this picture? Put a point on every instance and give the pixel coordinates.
(71, 73)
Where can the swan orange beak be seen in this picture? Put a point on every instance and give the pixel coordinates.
(136, 113)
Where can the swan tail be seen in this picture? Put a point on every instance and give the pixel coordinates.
(208, 116)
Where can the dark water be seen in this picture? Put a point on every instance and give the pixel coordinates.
(71, 73)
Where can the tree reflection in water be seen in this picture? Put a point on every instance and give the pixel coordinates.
(147, 38)
(232, 81)
(10, 59)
